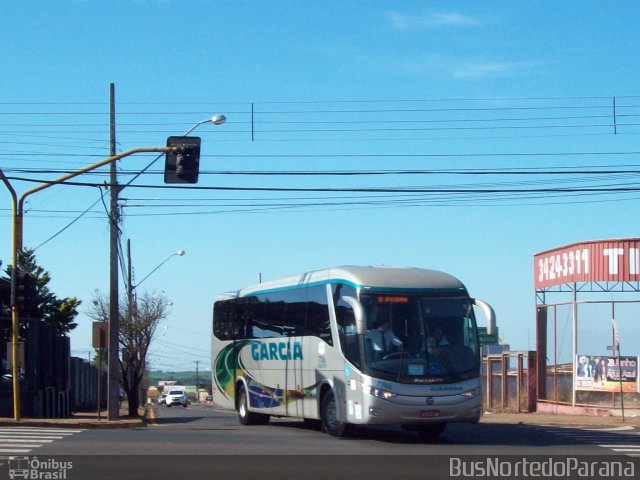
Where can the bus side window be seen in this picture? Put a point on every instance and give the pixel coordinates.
(318, 323)
(225, 326)
(295, 311)
(348, 334)
(346, 323)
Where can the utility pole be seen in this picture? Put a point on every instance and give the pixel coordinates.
(113, 402)
(197, 362)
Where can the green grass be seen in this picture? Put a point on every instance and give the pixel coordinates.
(184, 378)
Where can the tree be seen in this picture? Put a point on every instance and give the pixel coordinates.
(59, 312)
(138, 323)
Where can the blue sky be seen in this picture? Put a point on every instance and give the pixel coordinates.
(334, 86)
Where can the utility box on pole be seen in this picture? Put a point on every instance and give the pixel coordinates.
(182, 166)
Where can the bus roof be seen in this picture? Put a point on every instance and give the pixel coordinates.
(366, 278)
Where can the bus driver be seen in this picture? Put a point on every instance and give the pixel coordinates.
(383, 340)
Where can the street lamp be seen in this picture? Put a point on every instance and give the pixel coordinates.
(131, 302)
(179, 253)
(130, 286)
(215, 120)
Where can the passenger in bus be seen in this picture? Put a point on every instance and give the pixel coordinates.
(383, 340)
(437, 339)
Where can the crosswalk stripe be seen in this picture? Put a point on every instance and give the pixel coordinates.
(610, 429)
(611, 438)
(601, 439)
(20, 445)
(608, 445)
(23, 440)
(40, 430)
(620, 435)
(32, 432)
(603, 434)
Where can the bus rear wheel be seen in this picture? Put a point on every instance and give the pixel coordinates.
(329, 417)
(244, 415)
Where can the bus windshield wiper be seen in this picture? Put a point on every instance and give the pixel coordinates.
(448, 364)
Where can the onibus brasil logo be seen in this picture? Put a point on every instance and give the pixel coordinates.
(32, 468)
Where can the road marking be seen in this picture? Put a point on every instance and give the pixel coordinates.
(610, 429)
(613, 438)
(609, 445)
(21, 440)
(20, 445)
(27, 430)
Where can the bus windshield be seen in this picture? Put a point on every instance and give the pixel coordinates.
(420, 339)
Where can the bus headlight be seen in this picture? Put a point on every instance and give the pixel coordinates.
(474, 392)
(378, 392)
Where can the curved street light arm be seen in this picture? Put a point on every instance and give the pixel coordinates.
(18, 204)
(179, 254)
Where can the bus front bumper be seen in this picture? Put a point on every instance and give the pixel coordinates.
(421, 409)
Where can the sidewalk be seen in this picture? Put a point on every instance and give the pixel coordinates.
(90, 420)
(80, 420)
(632, 419)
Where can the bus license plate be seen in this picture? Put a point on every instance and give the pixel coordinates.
(429, 413)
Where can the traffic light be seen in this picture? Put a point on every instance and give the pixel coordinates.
(5, 296)
(30, 305)
(182, 166)
(24, 291)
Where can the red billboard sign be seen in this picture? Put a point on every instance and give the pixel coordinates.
(596, 261)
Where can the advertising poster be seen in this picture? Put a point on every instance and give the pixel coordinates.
(602, 373)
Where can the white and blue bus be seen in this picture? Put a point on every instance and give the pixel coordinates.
(350, 345)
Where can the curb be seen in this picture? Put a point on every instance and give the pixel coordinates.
(88, 424)
(91, 422)
(561, 421)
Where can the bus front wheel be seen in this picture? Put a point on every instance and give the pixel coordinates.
(244, 415)
(329, 417)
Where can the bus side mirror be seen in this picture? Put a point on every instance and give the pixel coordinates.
(489, 313)
(358, 313)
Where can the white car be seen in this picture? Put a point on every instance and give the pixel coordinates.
(176, 397)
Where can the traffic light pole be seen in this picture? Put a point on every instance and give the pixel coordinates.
(18, 204)
(15, 315)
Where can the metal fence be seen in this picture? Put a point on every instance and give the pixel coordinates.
(52, 384)
(510, 382)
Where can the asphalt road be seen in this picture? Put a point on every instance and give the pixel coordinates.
(203, 442)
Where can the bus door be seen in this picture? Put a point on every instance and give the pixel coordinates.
(317, 350)
(295, 386)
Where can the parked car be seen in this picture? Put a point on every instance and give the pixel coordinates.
(176, 397)
(163, 399)
(9, 377)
